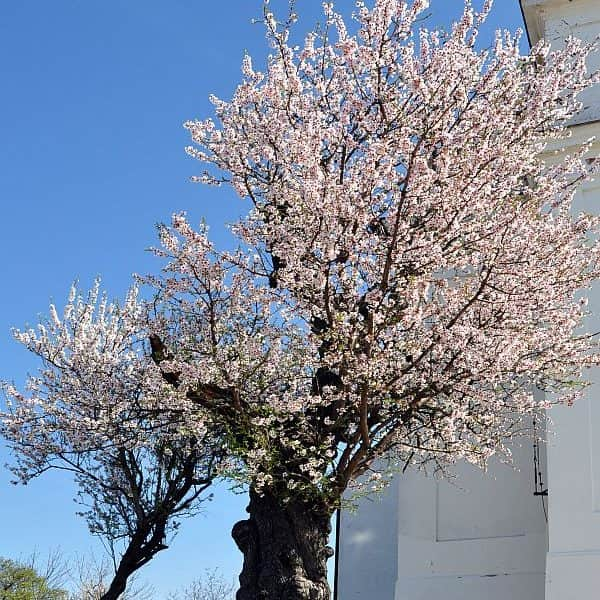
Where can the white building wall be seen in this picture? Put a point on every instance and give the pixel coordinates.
(480, 536)
(573, 564)
(368, 559)
(573, 561)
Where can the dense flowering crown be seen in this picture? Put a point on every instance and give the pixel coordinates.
(410, 267)
(402, 208)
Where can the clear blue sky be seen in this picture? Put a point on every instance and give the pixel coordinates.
(91, 157)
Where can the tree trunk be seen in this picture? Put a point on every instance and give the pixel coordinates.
(285, 550)
(142, 547)
(117, 587)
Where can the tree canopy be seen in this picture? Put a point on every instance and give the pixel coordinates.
(22, 582)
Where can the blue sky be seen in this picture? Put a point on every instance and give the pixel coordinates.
(94, 94)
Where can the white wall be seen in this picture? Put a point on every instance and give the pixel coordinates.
(369, 549)
(573, 562)
(573, 565)
(480, 536)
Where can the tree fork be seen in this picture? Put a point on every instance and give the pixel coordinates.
(285, 548)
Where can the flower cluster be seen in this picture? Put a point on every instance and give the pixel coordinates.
(101, 408)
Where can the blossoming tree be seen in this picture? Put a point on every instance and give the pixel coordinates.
(409, 270)
(401, 212)
(101, 409)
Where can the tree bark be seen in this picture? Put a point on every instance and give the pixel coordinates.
(285, 550)
(142, 547)
(117, 587)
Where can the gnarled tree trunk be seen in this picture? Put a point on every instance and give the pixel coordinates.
(285, 550)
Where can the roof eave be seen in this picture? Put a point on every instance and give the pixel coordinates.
(533, 17)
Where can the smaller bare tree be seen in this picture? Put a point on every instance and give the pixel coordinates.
(51, 566)
(212, 586)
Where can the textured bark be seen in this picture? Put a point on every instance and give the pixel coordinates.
(285, 550)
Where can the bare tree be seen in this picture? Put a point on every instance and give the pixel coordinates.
(52, 567)
(212, 586)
